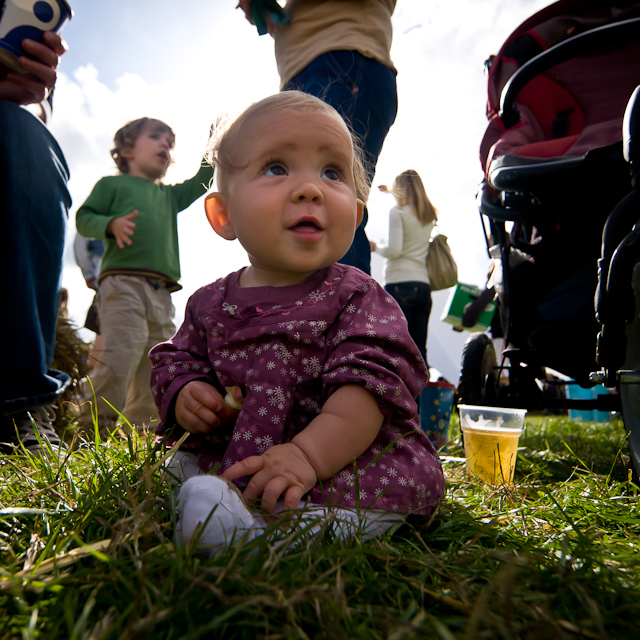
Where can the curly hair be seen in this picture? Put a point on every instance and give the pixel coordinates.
(126, 137)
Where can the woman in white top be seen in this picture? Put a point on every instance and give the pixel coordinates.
(410, 224)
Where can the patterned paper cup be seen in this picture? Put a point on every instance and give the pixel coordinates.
(20, 19)
(436, 404)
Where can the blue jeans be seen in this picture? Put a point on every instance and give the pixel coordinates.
(364, 92)
(414, 299)
(34, 204)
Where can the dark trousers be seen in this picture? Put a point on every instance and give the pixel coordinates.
(364, 92)
(34, 202)
(414, 299)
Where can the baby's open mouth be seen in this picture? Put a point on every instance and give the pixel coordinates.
(306, 224)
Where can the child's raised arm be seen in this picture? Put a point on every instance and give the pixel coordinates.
(348, 423)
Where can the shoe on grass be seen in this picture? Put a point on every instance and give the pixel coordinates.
(35, 432)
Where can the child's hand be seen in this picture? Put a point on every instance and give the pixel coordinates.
(372, 245)
(200, 408)
(383, 188)
(281, 470)
(122, 228)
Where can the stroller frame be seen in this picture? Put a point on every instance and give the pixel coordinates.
(516, 190)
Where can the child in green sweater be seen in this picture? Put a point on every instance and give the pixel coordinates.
(136, 217)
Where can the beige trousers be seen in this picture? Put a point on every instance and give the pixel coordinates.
(135, 315)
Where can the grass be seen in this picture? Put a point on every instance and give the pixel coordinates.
(86, 552)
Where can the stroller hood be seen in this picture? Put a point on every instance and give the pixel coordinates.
(574, 106)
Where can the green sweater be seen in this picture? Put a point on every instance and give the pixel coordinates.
(154, 246)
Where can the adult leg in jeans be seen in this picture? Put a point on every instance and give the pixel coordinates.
(34, 204)
(414, 299)
(364, 92)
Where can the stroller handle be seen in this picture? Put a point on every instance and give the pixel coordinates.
(585, 43)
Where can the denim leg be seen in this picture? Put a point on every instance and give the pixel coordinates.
(364, 92)
(34, 204)
(415, 301)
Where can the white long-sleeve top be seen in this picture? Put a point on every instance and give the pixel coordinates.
(407, 249)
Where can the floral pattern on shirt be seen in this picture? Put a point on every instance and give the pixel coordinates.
(289, 348)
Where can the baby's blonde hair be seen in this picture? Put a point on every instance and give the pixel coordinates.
(126, 137)
(408, 185)
(223, 139)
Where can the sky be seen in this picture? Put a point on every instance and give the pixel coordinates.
(190, 62)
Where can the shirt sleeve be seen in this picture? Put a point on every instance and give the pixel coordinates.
(370, 346)
(184, 193)
(394, 248)
(94, 214)
(84, 257)
(178, 361)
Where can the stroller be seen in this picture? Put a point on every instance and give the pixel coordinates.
(560, 209)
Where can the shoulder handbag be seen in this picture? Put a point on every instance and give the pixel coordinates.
(442, 268)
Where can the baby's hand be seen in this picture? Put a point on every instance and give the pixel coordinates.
(281, 470)
(122, 228)
(200, 408)
(383, 188)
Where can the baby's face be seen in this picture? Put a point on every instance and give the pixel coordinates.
(293, 203)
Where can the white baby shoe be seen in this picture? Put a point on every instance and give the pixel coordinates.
(218, 503)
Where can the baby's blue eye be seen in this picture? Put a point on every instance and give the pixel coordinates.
(331, 174)
(275, 170)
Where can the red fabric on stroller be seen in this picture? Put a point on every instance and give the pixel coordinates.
(573, 107)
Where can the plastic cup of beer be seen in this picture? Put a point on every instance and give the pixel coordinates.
(491, 436)
(22, 19)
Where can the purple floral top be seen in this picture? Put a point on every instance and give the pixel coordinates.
(289, 348)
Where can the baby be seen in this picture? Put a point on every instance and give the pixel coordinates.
(316, 354)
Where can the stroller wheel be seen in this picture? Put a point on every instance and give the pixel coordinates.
(478, 371)
(629, 393)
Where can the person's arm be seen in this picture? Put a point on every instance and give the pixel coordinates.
(282, 15)
(394, 248)
(34, 86)
(83, 257)
(245, 5)
(348, 423)
(178, 363)
(187, 192)
(94, 218)
(350, 417)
